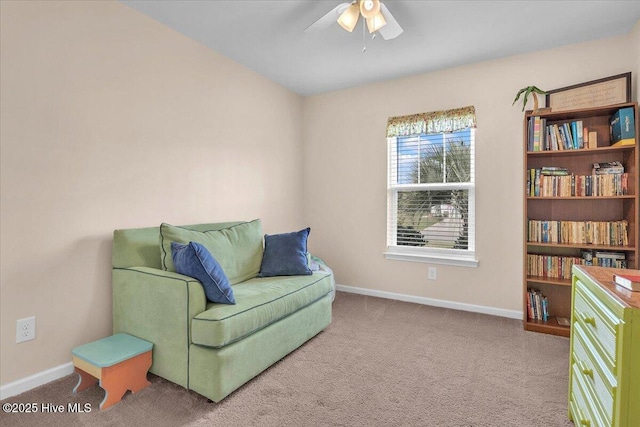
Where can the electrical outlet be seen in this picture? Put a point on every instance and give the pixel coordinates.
(25, 329)
(432, 273)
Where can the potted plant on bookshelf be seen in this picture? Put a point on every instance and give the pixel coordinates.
(531, 90)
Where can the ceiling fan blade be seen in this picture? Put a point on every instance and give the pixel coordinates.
(329, 18)
(392, 29)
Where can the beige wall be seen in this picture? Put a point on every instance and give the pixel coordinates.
(344, 133)
(111, 120)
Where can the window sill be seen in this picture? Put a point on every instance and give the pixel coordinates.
(448, 259)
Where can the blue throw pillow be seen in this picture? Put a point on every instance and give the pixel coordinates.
(285, 254)
(194, 260)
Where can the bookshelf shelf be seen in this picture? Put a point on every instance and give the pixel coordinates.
(618, 211)
(549, 280)
(587, 247)
(581, 152)
(551, 326)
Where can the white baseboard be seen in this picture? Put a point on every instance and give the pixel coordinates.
(512, 314)
(36, 380)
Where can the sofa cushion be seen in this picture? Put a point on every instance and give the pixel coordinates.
(259, 303)
(285, 254)
(238, 248)
(138, 247)
(194, 260)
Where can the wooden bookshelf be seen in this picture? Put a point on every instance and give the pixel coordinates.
(603, 208)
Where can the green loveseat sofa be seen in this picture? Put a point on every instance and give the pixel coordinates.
(207, 347)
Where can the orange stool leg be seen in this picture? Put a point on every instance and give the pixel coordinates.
(128, 375)
(85, 380)
(112, 394)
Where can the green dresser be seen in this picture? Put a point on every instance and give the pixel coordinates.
(604, 378)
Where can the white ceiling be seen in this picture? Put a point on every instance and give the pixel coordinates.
(268, 35)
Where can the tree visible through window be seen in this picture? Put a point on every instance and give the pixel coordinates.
(431, 192)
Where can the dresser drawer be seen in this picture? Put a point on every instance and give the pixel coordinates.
(604, 386)
(599, 321)
(582, 405)
(578, 414)
(591, 368)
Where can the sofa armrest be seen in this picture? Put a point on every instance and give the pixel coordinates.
(322, 266)
(158, 306)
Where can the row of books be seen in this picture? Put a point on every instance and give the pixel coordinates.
(604, 258)
(559, 267)
(546, 185)
(551, 266)
(573, 135)
(537, 305)
(559, 136)
(604, 233)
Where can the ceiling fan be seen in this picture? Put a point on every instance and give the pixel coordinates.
(375, 13)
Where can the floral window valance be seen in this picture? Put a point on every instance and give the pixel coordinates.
(433, 122)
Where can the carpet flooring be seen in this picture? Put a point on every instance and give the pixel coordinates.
(380, 363)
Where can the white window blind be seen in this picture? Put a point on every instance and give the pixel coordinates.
(431, 197)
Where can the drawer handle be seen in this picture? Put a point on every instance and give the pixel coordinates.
(583, 421)
(582, 365)
(588, 320)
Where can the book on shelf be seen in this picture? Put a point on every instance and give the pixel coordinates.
(604, 259)
(576, 134)
(537, 305)
(570, 133)
(534, 133)
(605, 168)
(563, 321)
(566, 141)
(554, 170)
(551, 143)
(556, 132)
(622, 127)
(610, 255)
(629, 281)
(628, 141)
(585, 137)
(579, 133)
(590, 138)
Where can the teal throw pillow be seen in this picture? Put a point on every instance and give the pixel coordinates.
(285, 254)
(194, 260)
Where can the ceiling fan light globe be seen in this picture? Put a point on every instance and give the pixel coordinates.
(369, 8)
(349, 18)
(375, 23)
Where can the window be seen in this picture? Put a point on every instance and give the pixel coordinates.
(431, 188)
